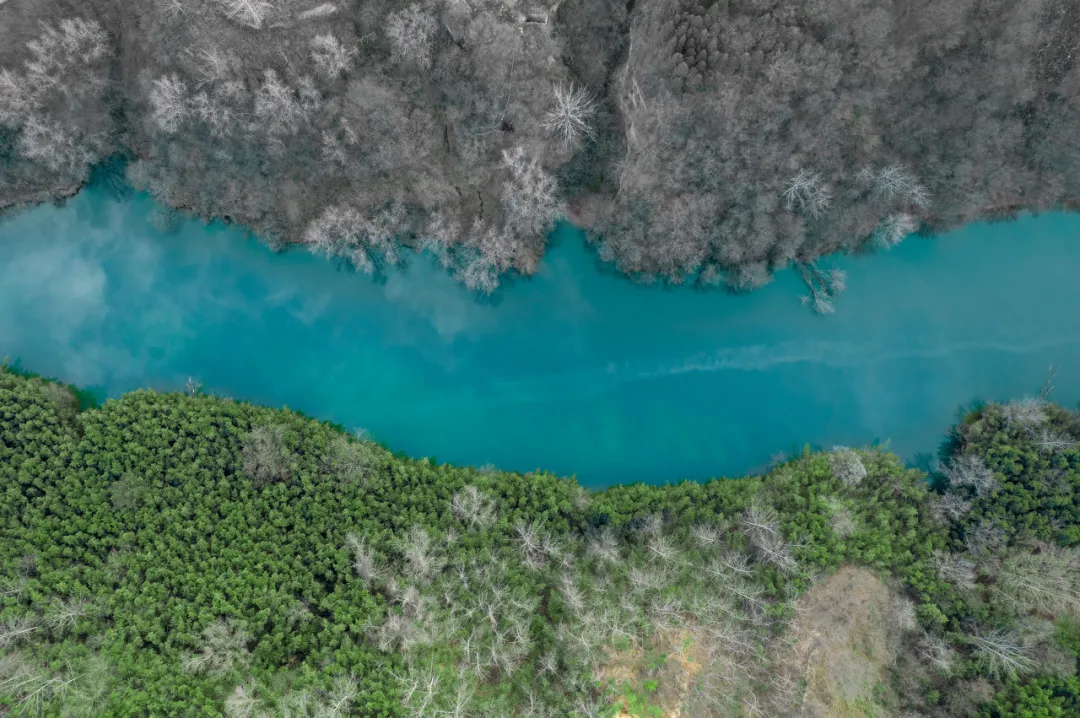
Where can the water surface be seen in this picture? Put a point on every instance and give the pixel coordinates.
(575, 371)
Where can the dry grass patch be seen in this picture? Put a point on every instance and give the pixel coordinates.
(842, 649)
(663, 675)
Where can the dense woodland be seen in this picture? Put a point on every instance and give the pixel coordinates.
(188, 555)
(712, 140)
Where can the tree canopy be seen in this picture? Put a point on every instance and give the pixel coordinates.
(183, 554)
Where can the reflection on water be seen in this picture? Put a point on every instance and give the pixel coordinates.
(575, 371)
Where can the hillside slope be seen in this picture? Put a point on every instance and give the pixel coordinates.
(190, 556)
(713, 140)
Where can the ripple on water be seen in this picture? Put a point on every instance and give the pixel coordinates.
(576, 370)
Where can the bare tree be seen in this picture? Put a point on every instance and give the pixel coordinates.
(496, 248)
(749, 276)
(297, 704)
(705, 535)
(298, 613)
(955, 569)
(537, 545)
(342, 231)
(333, 703)
(215, 66)
(1025, 414)
(840, 518)
(895, 182)
(819, 302)
(216, 115)
(350, 459)
(662, 549)
(901, 614)
(242, 703)
(580, 498)
(459, 704)
(1047, 582)
(1002, 653)
(950, 507)
(411, 32)
(571, 115)
(473, 508)
(72, 41)
(834, 279)
(1052, 441)
(63, 71)
(847, 466)
(807, 192)
(760, 518)
(937, 652)
(531, 197)
(14, 631)
(643, 580)
(223, 647)
(480, 274)
(420, 688)
(169, 103)
(265, 457)
(783, 71)
(763, 531)
(330, 56)
(571, 594)
(894, 228)
(339, 699)
(986, 538)
(824, 285)
(12, 587)
(650, 524)
(281, 108)
(31, 688)
(549, 663)
(970, 470)
(422, 560)
(604, 547)
(590, 708)
(64, 614)
(251, 13)
(402, 631)
(55, 146)
(1048, 383)
(365, 563)
(737, 563)
(18, 100)
(441, 234)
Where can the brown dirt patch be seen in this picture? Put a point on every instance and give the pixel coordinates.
(842, 645)
(835, 660)
(684, 659)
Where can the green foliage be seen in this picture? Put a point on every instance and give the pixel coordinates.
(1068, 634)
(85, 398)
(189, 555)
(1039, 698)
(1033, 450)
(1002, 597)
(636, 703)
(654, 661)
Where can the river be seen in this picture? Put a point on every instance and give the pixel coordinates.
(576, 370)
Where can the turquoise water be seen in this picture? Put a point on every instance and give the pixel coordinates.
(575, 371)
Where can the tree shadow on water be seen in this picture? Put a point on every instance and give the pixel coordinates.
(110, 177)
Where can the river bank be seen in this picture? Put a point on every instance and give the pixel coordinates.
(575, 370)
(182, 554)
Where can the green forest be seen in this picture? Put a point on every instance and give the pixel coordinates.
(189, 555)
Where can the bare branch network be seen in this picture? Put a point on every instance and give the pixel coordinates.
(571, 115)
